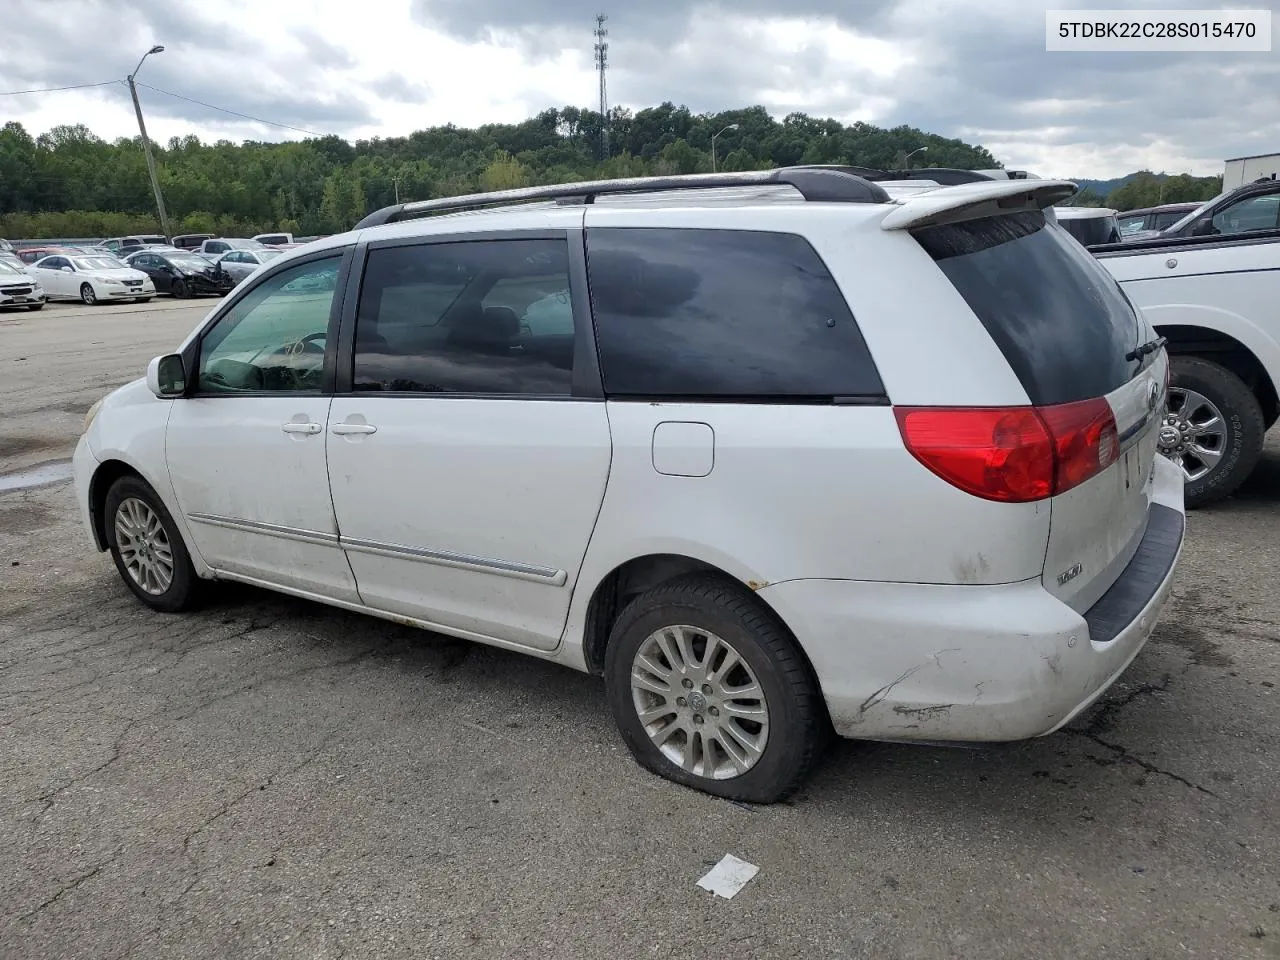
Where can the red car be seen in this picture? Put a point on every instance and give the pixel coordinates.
(32, 254)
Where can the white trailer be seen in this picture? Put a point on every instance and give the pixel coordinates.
(1244, 170)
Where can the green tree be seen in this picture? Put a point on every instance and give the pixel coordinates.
(504, 172)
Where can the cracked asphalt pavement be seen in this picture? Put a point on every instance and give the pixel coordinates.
(274, 778)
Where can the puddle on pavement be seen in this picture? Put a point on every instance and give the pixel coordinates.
(41, 475)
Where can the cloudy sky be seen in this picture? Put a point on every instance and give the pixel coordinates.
(974, 69)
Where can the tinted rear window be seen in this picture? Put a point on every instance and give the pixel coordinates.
(722, 315)
(1058, 317)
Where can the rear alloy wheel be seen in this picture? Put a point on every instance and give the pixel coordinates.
(708, 690)
(180, 289)
(1213, 429)
(87, 294)
(147, 548)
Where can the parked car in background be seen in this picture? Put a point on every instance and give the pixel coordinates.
(991, 543)
(1214, 297)
(274, 239)
(91, 279)
(213, 249)
(181, 273)
(1089, 225)
(13, 261)
(1251, 209)
(240, 263)
(191, 241)
(123, 245)
(5, 246)
(1148, 221)
(30, 255)
(19, 289)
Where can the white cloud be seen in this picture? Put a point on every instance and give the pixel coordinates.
(388, 67)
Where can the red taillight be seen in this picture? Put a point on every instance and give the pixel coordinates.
(1012, 454)
(1084, 439)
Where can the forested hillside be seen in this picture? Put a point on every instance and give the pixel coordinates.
(1147, 189)
(68, 182)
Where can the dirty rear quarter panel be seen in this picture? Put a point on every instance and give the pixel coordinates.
(800, 491)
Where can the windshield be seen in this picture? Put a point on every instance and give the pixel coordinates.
(265, 255)
(190, 262)
(98, 263)
(7, 269)
(1196, 212)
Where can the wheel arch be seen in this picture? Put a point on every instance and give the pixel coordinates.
(1226, 351)
(633, 577)
(107, 473)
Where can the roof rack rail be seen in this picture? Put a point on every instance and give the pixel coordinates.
(947, 176)
(831, 184)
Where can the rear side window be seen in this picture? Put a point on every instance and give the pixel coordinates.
(1058, 317)
(722, 315)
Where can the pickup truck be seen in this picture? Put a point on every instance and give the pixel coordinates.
(1216, 299)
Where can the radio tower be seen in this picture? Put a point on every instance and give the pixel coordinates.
(602, 65)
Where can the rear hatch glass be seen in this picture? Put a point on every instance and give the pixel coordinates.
(1067, 330)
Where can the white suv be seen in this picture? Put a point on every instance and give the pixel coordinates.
(775, 452)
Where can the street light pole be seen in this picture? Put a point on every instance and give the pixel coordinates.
(732, 126)
(907, 161)
(146, 143)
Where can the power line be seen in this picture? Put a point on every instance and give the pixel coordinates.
(243, 116)
(74, 86)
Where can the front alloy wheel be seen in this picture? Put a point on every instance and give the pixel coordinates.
(700, 702)
(87, 294)
(147, 548)
(144, 546)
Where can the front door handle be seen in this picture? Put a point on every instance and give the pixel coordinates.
(346, 429)
(295, 427)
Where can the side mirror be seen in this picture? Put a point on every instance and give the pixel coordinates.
(1204, 228)
(66, 270)
(167, 377)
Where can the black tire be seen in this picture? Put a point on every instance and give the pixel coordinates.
(798, 724)
(180, 290)
(35, 306)
(1245, 427)
(185, 588)
(87, 295)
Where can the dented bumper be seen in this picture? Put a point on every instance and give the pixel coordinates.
(936, 662)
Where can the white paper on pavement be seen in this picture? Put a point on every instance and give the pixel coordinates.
(728, 876)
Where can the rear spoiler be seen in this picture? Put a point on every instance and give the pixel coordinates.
(972, 201)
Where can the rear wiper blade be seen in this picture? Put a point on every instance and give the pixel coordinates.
(1151, 346)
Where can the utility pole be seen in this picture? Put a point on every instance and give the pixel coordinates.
(146, 144)
(396, 182)
(732, 126)
(602, 65)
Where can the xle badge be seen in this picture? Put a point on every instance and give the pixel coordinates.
(1070, 573)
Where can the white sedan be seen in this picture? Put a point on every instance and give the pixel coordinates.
(92, 279)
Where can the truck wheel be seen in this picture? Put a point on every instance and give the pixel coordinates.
(1213, 429)
(708, 690)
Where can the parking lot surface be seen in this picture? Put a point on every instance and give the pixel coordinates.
(274, 778)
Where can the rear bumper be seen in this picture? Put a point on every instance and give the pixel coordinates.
(933, 662)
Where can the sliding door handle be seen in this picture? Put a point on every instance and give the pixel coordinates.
(346, 429)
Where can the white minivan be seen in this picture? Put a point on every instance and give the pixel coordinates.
(775, 453)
